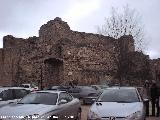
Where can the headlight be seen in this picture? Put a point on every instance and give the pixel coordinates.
(93, 115)
(134, 116)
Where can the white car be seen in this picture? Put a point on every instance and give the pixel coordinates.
(43, 105)
(118, 103)
(11, 94)
(30, 87)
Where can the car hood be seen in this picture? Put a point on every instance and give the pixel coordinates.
(25, 109)
(116, 109)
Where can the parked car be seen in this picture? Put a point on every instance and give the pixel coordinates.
(60, 88)
(118, 103)
(91, 98)
(44, 105)
(99, 87)
(86, 94)
(30, 87)
(11, 94)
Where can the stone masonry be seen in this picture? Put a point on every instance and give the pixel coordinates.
(59, 55)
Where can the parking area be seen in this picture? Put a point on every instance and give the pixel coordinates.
(42, 98)
(85, 109)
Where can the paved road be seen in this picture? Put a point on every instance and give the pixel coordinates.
(85, 110)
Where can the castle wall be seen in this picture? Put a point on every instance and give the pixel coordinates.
(60, 54)
(155, 69)
(8, 63)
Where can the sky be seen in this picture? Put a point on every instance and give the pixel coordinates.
(23, 18)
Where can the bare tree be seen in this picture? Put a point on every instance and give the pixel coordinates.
(127, 22)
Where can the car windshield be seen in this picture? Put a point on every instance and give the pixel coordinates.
(103, 86)
(40, 98)
(54, 87)
(119, 95)
(87, 88)
(1, 94)
(25, 86)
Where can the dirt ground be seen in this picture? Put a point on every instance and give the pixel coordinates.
(85, 110)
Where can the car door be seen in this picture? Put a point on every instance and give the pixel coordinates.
(62, 108)
(73, 106)
(66, 109)
(7, 97)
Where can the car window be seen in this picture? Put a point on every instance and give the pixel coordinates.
(69, 97)
(95, 87)
(74, 90)
(20, 93)
(63, 88)
(40, 98)
(26, 86)
(7, 95)
(103, 86)
(93, 94)
(65, 96)
(119, 95)
(1, 95)
(87, 88)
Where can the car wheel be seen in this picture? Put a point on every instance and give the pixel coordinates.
(78, 115)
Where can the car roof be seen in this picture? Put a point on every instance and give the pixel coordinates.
(117, 87)
(6, 88)
(26, 84)
(49, 91)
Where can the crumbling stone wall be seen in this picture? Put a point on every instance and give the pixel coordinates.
(12, 42)
(139, 68)
(60, 54)
(8, 63)
(155, 69)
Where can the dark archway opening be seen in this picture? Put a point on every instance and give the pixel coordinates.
(53, 71)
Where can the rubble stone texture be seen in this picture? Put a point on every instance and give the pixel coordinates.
(155, 69)
(59, 55)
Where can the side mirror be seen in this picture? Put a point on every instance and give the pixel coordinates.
(0, 99)
(63, 101)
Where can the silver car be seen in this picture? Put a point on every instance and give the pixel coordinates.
(11, 94)
(118, 103)
(43, 105)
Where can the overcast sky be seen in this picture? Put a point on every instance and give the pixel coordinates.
(23, 18)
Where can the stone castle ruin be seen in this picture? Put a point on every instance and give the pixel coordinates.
(59, 55)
